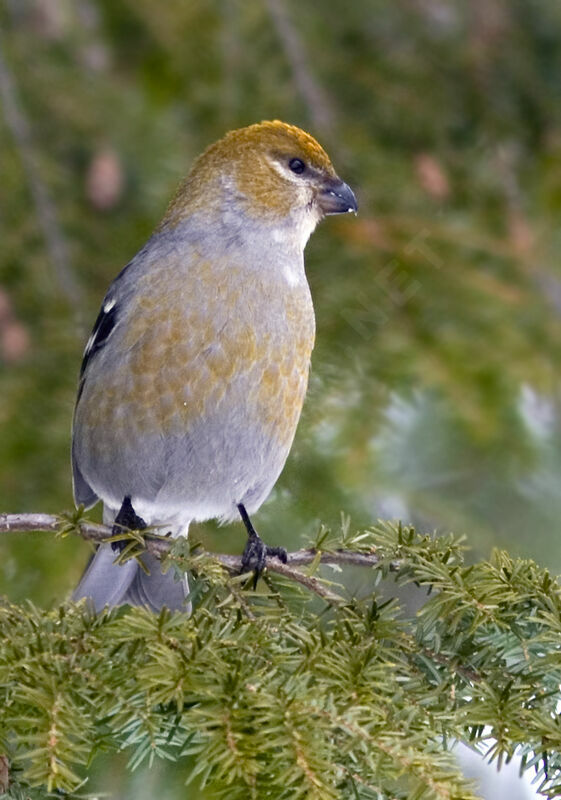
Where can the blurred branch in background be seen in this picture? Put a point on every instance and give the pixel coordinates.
(45, 209)
(311, 91)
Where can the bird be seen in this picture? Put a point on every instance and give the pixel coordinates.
(193, 379)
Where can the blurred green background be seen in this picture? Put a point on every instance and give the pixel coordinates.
(434, 395)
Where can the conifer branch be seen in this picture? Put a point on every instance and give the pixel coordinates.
(159, 546)
(362, 700)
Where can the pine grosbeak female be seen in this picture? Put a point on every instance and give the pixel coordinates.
(194, 376)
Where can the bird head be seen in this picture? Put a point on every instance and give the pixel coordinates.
(270, 171)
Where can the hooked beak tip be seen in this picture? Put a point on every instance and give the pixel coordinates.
(337, 197)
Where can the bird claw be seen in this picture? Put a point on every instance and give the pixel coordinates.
(255, 555)
(126, 520)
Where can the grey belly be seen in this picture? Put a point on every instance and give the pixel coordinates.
(202, 474)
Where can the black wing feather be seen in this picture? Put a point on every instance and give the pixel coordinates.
(104, 324)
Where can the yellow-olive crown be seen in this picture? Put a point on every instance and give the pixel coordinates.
(268, 170)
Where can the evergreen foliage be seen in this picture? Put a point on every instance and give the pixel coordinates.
(274, 696)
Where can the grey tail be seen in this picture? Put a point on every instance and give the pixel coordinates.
(107, 584)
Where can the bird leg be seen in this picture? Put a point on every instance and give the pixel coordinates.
(256, 552)
(126, 520)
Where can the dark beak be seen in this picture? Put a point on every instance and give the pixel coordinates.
(336, 197)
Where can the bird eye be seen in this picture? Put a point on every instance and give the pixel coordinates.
(297, 165)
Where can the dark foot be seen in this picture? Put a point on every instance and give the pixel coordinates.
(256, 552)
(126, 520)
